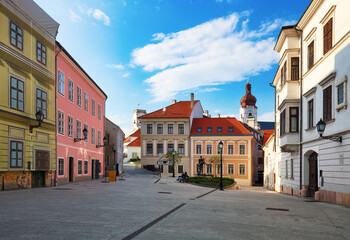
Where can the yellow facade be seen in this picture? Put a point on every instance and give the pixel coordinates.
(36, 152)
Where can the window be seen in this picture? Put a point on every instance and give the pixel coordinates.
(198, 149)
(170, 147)
(310, 55)
(85, 167)
(16, 36)
(242, 149)
(60, 166)
(16, 154)
(340, 95)
(80, 165)
(170, 128)
(60, 122)
(209, 149)
(99, 112)
(230, 149)
(231, 169)
(327, 103)
(327, 36)
(86, 127)
(86, 102)
(180, 169)
(70, 126)
(209, 169)
(181, 129)
(286, 168)
(219, 129)
(283, 122)
(98, 137)
(78, 129)
(295, 68)
(93, 107)
(284, 74)
(159, 148)
(218, 168)
(310, 115)
(60, 82)
(181, 149)
(291, 169)
(159, 128)
(149, 148)
(93, 136)
(230, 129)
(17, 94)
(170, 168)
(199, 129)
(241, 169)
(41, 101)
(149, 128)
(40, 53)
(79, 96)
(209, 129)
(293, 119)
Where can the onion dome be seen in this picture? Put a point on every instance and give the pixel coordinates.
(248, 99)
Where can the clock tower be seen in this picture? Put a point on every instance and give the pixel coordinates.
(248, 110)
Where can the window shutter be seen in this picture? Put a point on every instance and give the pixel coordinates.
(327, 103)
(327, 36)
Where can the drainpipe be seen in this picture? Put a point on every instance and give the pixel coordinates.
(301, 109)
(56, 111)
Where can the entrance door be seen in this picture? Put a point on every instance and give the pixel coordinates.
(38, 179)
(117, 169)
(71, 169)
(313, 183)
(93, 169)
(97, 169)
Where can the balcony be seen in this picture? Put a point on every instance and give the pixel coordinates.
(290, 90)
(289, 142)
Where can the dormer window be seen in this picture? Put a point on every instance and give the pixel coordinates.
(209, 129)
(219, 129)
(230, 129)
(199, 129)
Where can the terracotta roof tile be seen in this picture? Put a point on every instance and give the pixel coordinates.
(126, 140)
(137, 133)
(224, 123)
(180, 109)
(135, 143)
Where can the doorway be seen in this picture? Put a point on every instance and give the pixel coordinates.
(71, 169)
(38, 179)
(313, 183)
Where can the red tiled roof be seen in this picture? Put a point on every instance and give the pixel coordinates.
(135, 143)
(137, 133)
(126, 140)
(180, 109)
(267, 134)
(224, 123)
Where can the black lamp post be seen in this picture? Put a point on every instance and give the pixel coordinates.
(173, 163)
(39, 116)
(321, 126)
(105, 143)
(221, 147)
(85, 133)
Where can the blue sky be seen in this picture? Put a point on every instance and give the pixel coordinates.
(144, 53)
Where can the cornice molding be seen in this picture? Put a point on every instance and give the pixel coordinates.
(288, 101)
(327, 79)
(310, 11)
(313, 30)
(329, 13)
(310, 92)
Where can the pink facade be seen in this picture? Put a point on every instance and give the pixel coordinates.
(80, 102)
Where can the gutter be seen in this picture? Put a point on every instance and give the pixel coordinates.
(56, 181)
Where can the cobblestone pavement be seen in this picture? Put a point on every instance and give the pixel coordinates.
(143, 207)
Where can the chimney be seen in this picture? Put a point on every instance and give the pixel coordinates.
(218, 115)
(192, 100)
(206, 113)
(174, 101)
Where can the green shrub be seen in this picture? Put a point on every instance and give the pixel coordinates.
(135, 159)
(211, 180)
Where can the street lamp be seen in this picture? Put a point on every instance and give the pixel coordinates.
(173, 163)
(39, 116)
(221, 147)
(321, 126)
(105, 142)
(85, 133)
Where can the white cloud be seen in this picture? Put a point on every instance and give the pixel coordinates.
(268, 116)
(124, 3)
(126, 75)
(207, 55)
(117, 66)
(204, 90)
(74, 17)
(99, 15)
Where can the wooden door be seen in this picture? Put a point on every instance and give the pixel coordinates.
(71, 169)
(38, 179)
(313, 183)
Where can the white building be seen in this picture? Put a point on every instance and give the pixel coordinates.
(311, 84)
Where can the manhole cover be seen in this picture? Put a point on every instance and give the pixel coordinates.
(278, 209)
(61, 189)
(165, 192)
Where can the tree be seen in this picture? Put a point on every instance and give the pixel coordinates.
(174, 159)
(215, 160)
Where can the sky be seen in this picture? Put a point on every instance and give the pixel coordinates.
(145, 53)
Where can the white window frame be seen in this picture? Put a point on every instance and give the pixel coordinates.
(70, 127)
(228, 169)
(60, 122)
(60, 158)
(344, 104)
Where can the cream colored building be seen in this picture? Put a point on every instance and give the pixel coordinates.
(312, 83)
(166, 130)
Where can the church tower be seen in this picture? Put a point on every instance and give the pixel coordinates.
(135, 118)
(248, 110)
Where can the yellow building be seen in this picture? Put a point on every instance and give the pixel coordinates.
(27, 77)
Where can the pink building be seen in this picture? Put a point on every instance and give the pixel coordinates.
(80, 107)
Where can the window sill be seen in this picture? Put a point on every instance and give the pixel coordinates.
(310, 129)
(342, 106)
(330, 121)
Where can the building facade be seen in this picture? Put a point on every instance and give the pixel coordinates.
(239, 151)
(167, 130)
(114, 150)
(80, 109)
(312, 84)
(133, 145)
(27, 76)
